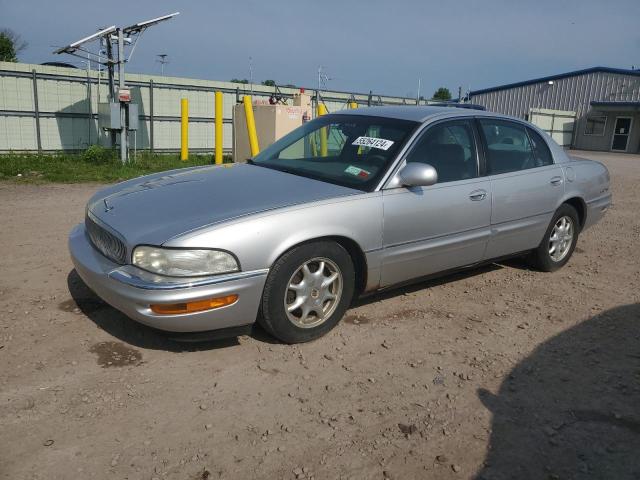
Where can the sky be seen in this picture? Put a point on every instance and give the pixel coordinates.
(383, 46)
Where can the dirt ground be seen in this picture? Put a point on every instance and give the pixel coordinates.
(501, 372)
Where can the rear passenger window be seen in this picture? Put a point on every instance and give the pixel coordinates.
(508, 147)
(450, 149)
(540, 149)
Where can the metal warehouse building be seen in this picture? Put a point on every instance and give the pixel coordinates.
(593, 109)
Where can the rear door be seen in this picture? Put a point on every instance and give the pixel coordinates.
(526, 185)
(443, 226)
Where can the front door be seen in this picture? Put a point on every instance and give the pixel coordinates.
(621, 132)
(443, 226)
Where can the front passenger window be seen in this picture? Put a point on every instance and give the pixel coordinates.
(450, 149)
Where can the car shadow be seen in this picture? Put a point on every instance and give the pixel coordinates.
(120, 326)
(571, 410)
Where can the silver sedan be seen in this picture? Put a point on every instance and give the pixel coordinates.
(349, 203)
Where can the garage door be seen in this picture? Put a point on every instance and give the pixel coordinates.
(557, 123)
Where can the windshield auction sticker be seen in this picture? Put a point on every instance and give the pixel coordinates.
(358, 172)
(380, 143)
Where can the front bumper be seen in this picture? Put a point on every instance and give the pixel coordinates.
(132, 290)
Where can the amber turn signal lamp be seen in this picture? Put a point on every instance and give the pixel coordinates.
(192, 307)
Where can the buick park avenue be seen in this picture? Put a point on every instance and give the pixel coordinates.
(348, 204)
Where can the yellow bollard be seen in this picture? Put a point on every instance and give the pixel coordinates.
(322, 110)
(353, 105)
(218, 128)
(251, 126)
(184, 129)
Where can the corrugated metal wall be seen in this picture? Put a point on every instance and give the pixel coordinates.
(571, 93)
(574, 93)
(67, 106)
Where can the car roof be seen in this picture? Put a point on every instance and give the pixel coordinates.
(416, 113)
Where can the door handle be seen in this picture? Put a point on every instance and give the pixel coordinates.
(556, 180)
(478, 195)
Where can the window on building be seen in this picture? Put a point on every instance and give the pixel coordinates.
(595, 126)
(508, 147)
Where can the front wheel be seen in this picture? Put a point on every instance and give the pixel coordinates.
(307, 292)
(559, 240)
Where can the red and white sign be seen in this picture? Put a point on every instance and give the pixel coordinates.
(124, 95)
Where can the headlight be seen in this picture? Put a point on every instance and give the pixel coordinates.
(183, 263)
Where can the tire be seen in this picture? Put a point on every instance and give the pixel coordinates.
(544, 258)
(292, 326)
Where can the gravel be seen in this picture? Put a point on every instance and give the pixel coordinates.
(450, 368)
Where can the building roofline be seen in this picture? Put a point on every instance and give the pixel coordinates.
(621, 71)
(614, 103)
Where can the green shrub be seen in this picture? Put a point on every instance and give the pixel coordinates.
(96, 164)
(98, 155)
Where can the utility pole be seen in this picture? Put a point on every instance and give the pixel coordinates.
(89, 96)
(251, 75)
(162, 58)
(323, 78)
(319, 86)
(124, 133)
(107, 35)
(418, 94)
(110, 74)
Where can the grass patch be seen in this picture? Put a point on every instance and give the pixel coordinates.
(96, 164)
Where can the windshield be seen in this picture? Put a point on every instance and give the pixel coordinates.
(349, 150)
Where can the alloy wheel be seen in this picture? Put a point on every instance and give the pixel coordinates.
(561, 238)
(313, 292)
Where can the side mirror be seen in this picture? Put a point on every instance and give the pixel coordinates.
(415, 174)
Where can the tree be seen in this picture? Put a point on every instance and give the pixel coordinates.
(237, 80)
(442, 93)
(269, 83)
(7, 51)
(10, 45)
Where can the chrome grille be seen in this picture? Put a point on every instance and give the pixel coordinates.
(106, 243)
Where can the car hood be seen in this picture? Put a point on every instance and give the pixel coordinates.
(156, 208)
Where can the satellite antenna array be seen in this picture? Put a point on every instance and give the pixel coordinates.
(108, 37)
(72, 47)
(142, 26)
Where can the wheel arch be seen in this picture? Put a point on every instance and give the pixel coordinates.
(353, 249)
(581, 207)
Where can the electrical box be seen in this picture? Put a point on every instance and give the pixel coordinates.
(272, 123)
(109, 116)
(132, 116)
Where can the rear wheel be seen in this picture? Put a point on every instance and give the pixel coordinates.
(307, 291)
(559, 240)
